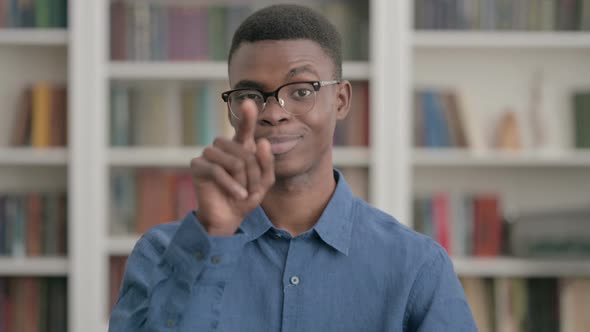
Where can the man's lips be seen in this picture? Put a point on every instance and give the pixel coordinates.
(283, 144)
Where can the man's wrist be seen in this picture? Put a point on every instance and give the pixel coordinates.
(213, 230)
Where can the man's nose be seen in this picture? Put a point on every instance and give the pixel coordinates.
(273, 113)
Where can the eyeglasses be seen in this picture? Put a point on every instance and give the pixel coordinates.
(296, 98)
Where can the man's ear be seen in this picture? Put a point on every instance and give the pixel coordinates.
(343, 99)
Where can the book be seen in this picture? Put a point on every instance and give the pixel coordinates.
(585, 15)
(487, 229)
(33, 224)
(199, 31)
(479, 294)
(574, 304)
(33, 13)
(41, 119)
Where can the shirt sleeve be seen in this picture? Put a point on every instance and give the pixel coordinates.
(160, 274)
(437, 300)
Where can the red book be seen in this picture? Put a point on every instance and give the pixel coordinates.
(441, 215)
(156, 194)
(186, 198)
(488, 226)
(8, 306)
(31, 304)
(22, 127)
(118, 33)
(59, 126)
(366, 115)
(34, 220)
(62, 224)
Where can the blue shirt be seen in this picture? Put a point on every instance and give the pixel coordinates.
(357, 269)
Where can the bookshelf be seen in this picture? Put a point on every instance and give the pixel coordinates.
(33, 157)
(180, 157)
(205, 70)
(34, 61)
(466, 158)
(38, 267)
(518, 267)
(94, 160)
(425, 39)
(30, 37)
(491, 66)
(493, 71)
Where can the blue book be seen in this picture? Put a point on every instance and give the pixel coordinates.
(435, 123)
(17, 212)
(442, 123)
(205, 117)
(15, 19)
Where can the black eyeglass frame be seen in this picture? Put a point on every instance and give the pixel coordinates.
(316, 87)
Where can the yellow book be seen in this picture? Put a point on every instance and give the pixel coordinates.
(41, 119)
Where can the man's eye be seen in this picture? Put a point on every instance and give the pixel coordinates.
(301, 93)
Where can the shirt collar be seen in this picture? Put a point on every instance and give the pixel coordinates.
(335, 224)
(333, 227)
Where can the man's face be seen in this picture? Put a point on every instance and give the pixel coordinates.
(301, 142)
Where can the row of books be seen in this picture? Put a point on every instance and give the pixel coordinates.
(41, 120)
(144, 198)
(535, 304)
(581, 110)
(502, 14)
(475, 225)
(193, 115)
(354, 130)
(33, 13)
(440, 120)
(30, 304)
(445, 118)
(465, 225)
(33, 224)
(146, 31)
(170, 115)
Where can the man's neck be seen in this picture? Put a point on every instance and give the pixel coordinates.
(296, 204)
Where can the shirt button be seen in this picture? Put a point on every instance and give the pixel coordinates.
(294, 280)
(215, 259)
(170, 323)
(278, 235)
(199, 255)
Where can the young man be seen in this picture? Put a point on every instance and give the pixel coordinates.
(279, 242)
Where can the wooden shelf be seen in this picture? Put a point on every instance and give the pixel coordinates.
(38, 266)
(181, 157)
(34, 36)
(121, 245)
(501, 39)
(520, 267)
(33, 157)
(202, 70)
(424, 157)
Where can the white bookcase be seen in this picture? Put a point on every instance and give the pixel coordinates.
(488, 64)
(93, 72)
(494, 69)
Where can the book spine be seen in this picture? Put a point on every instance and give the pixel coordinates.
(42, 14)
(41, 115)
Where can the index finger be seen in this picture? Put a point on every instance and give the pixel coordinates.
(247, 124)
